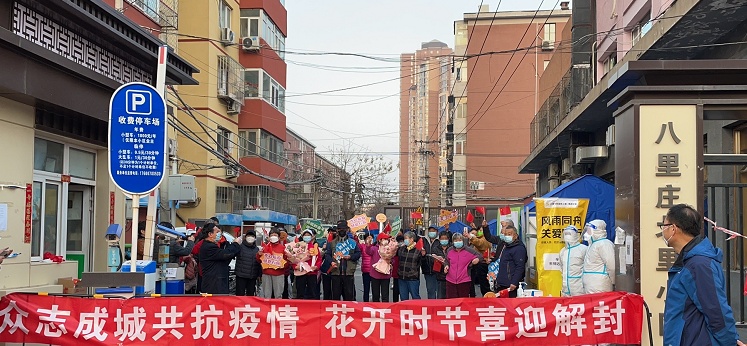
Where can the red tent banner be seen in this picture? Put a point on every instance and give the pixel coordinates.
(614, 317)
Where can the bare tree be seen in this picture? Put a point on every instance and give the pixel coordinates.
(367, 186)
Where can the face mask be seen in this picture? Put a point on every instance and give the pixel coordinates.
(444, 242)
(432, 235)
(587, 237)
(407, 242)
(218, 236)
(666, 241)
(291, 239)
(458, 244)
(569, 238)
(307, 238)
(250, 240)
(342, 234)
(274, 239)
(507, 239)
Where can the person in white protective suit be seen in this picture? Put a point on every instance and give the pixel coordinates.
(599, 262)
(572, 262)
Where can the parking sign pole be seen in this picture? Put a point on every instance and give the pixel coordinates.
(134, 232)
(150, 219)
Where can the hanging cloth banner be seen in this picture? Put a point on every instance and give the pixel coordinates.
(554, 215)
(613, 317)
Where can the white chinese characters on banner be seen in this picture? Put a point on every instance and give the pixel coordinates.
(164, 320)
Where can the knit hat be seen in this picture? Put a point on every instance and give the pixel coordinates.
(382, 236)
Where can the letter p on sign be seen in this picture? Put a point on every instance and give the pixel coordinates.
(139, 102)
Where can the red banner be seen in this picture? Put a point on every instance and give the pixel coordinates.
(614, 317)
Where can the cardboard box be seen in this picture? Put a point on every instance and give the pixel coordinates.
(69, 287)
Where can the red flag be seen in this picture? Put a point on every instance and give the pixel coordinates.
(236, 231)
(298, 227)
(373, 225)
(419, 244)
(388, 228)
(480, 210)
(470, 217)
(416, 215)
(505, 211)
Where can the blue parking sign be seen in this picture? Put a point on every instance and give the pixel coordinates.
(137, 138)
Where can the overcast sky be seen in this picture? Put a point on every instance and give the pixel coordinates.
(382, 29)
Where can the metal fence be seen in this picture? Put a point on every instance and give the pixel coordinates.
(725, 205)
(572, 88)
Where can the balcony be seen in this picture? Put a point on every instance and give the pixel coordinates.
(572, 88)
(230, 80)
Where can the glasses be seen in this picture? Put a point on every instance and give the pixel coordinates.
(664, 225)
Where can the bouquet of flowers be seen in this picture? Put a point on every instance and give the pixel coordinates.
(387, 251)
(298, 253)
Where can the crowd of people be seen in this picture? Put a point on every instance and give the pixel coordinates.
(452, 264)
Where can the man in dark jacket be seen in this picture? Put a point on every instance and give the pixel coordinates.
(343, 254)
(430, 240)
(696, 311)
(439, 250)
(214, 261)
(513, 258)
(248, 268)
(410, 255)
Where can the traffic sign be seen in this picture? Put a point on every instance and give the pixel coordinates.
(137, 138)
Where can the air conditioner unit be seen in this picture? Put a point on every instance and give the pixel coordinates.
(223, 90)
(553, 184)
(250, 43)
(548, 45)
(610, 135)
(591, 153)
(231, 172)
(566, 166)
(227, 36)
(552, 170)
(234, 107)
(477, 185)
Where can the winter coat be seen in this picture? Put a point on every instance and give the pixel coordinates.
(513, 260)
(409, 262)
(459, 262)
(344, 267)
(214, 262)
(373, 252)
(247, 265)
(696, 311)
(572, 268)
(426, 264)
(277, 249)
(365, 259)
(439, 250)
(482, 246)
(176, 250)
(599, 264)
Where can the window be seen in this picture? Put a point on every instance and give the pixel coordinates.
(272, 91)
(549, 32)
(227, 199)
(255, 22)
(460, 181)
(251, 83)
(461, 74)
(231, 79)
(610, 62)
(224, 14)
(224, 141)
(82, 164)
(48, 155)
(247, 143)
(149, 7)
(461, 111)
(460, 140)
(271, 148)
(641, 28)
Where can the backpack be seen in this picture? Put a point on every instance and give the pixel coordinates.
(190, 267)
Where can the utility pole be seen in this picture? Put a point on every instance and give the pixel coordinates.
(317, 187)
(424, 152)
